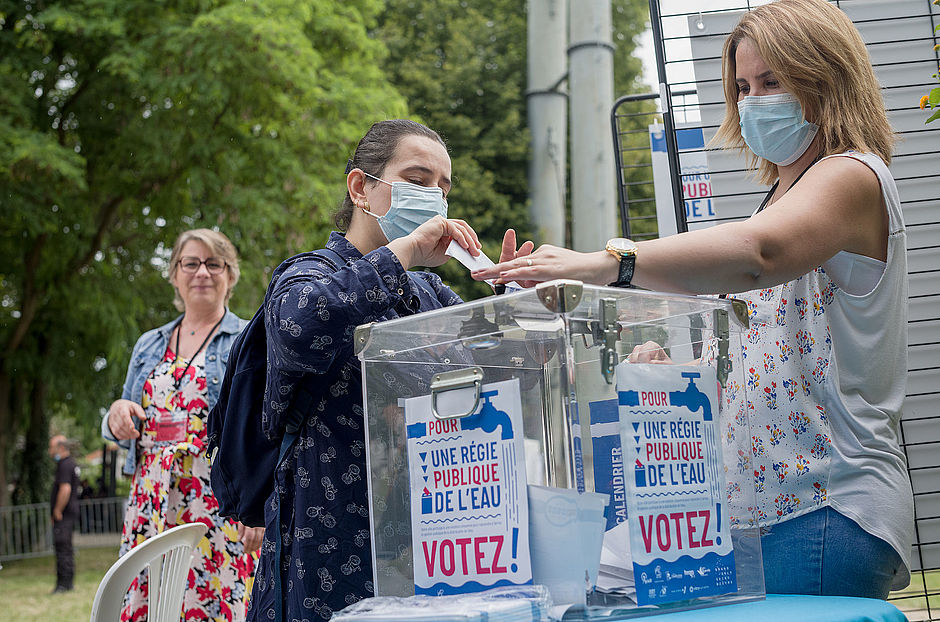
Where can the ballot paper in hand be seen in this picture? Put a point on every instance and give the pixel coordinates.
(479, 262)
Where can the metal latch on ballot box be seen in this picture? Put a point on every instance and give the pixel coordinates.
(611, 333)
(470, 377)
(610, 330)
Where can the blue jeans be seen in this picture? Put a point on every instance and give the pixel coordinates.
(823, 553)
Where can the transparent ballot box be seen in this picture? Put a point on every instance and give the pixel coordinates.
(592, 439)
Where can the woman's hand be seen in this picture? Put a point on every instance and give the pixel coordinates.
(551, 262)
(425, 245)
(509, 252)
(649, 352)
(250, 537)
(123, 418)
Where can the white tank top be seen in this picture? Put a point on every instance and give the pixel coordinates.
(853, 273)
(826, 378)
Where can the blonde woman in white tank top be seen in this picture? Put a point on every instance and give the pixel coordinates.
(822, 266)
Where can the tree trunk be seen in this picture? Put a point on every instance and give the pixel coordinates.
(15, 405)
(35, 465)
(34, 481)
(6, 434)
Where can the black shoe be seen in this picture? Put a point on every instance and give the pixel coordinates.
(61, 589)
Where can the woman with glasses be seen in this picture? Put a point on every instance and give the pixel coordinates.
(172, 381)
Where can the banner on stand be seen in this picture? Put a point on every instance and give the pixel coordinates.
(469, 512)
(679, 531)
(696, 178)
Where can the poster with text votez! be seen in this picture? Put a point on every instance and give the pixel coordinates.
(679, 532)
(469, 512)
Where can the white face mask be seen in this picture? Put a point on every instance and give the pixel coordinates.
(774, 127)
(412, 206)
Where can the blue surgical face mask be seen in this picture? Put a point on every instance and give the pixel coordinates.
(412, 206)
(774, 127)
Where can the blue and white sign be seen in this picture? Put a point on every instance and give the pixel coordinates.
(469, 509)
(609, 471)
(679, 532)
(696, 178)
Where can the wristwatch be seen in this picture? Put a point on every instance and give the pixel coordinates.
(625, 251)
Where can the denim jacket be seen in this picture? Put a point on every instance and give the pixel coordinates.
(149, 350)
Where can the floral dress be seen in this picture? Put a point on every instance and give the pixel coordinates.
(786, 366)
(171, 487)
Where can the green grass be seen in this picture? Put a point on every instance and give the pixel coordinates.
(25, 587)
(912, 600)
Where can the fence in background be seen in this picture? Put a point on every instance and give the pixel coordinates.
(26, 530)
(900, 37)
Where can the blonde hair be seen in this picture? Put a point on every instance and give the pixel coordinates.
(220, 246)
(818, 56)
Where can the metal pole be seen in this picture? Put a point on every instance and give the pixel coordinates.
(665, 97)
(591, 63)
(547, 106)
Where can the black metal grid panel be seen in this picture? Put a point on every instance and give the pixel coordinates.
(901, 47)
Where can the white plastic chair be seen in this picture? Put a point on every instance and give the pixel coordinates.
(169, 556)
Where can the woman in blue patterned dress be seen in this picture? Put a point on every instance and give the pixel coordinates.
(394, 217)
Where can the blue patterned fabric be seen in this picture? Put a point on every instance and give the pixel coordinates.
(321, 486)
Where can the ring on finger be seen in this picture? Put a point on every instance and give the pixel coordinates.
(528, 261)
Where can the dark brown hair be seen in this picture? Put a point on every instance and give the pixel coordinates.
(374, 152)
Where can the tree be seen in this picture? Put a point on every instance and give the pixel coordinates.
(123, 122)
(462, 66)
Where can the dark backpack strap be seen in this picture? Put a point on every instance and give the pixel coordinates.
(334, 259)
(423, 284)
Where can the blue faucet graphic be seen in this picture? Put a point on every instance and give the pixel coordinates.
(629, 398)
(489, 418)
(417, 430)
(691, 397)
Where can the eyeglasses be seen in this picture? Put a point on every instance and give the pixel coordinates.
(190, 265)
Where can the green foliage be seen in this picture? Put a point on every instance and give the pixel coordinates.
(631, 19)
(124, 122)
(932, 99)
(462, 66)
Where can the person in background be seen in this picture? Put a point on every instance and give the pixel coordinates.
(172, 381)
(317, 559)
(822, 266)
(65, 490)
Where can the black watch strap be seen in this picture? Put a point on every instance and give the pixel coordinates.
(625, 275)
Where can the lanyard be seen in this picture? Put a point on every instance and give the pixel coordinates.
(176, 353)
(770, 192)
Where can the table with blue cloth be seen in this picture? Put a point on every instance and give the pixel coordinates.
(783, 608)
